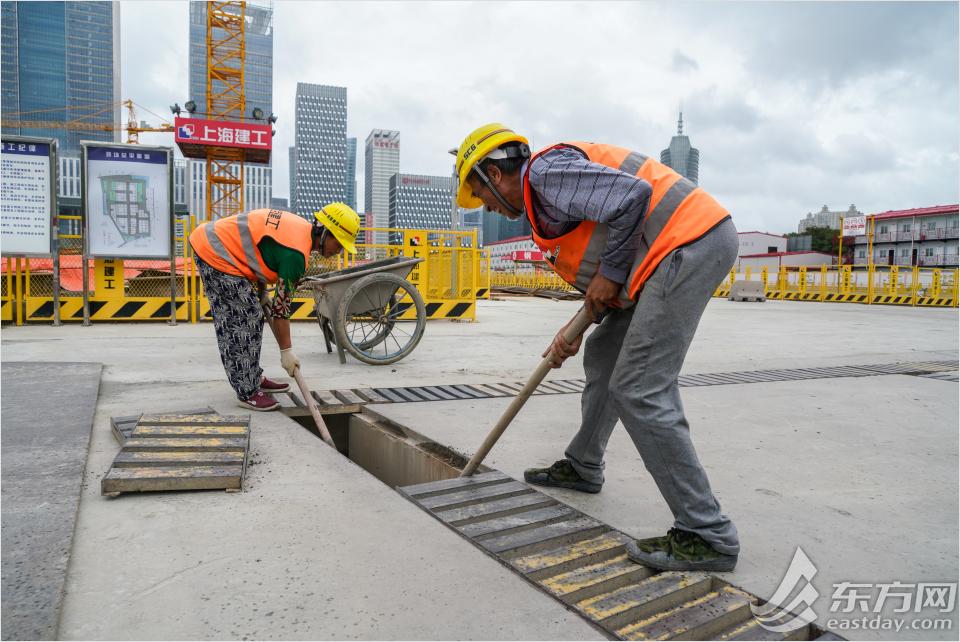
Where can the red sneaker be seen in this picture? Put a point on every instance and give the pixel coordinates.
(260, 402)
(266, 385)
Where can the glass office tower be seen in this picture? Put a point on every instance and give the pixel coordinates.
(258, 62)
(320, 137)
(681, 156)
(351, 173)
(61, 62)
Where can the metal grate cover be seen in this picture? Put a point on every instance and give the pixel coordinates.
(582, 563)
(356, 396)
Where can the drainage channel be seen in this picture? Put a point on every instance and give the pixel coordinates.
(945, 370)
(572, 557)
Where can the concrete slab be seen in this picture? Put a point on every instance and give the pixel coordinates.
(47, 413)
(861, 473)
(316, 548)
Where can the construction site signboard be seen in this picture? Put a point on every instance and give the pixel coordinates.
(195, 136)
(854, 225)
(28, 168)
(127, 199)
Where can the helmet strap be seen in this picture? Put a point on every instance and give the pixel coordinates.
(320, 231)
(486, 181)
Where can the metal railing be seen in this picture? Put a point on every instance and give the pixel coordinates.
(889, 285)
(451, 279)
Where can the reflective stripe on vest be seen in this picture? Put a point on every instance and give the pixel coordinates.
(250, 253)
(678, 213)
(214, 241)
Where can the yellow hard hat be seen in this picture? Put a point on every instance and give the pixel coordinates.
(342, 222)
(475, 148)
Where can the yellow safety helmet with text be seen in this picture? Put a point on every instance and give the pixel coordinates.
(477, 146)
(342, 222)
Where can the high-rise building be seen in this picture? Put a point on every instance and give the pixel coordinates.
(472, 220)
(351, 187)
(61, 62)
(257, 187)
(827, 218)
(258, 56)
(277, 203)
(382, 160)
(292, 156)
(497, 227)
(420, 202)
(681, 156)
(321, 142)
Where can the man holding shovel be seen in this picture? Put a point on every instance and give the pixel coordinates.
(647, 248)
(238, 256)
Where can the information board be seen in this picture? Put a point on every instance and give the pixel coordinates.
(26, 203)
(127, 201)
(854, 226)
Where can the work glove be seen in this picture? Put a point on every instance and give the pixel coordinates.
(289, 361)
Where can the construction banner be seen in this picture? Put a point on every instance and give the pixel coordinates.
(127, 196)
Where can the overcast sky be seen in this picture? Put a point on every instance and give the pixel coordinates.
(792, 105)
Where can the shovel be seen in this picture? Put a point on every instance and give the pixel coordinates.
(307, 397)
(574, 329)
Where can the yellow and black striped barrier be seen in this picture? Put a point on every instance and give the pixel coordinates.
(39, 309)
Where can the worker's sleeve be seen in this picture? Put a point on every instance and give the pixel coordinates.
(290, 267)
(569, 188)
(282, 301)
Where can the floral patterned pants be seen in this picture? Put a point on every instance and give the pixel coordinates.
(238, 320)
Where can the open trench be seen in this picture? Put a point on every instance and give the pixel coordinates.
(574, 558)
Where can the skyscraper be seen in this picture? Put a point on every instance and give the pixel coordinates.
(321, 142)
(61, 62)
(382, 160)
(684, 159)
(292, 155)
(421, 202)
(351, 187)
(258, 59)
(497, 227)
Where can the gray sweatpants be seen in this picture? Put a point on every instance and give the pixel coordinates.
(632, 360)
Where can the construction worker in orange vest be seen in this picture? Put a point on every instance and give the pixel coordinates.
(647, 248)
(238, 256)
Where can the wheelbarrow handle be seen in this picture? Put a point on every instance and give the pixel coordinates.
(574, 329)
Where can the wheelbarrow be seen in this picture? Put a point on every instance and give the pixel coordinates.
(359, 310)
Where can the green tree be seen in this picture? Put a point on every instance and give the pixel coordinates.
(823, 239)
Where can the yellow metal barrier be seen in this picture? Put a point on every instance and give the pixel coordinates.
(6, 292)
(532, 280)
(454, 274)
(915, 286)
(449, 279)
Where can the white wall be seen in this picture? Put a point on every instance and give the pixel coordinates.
(760, 242)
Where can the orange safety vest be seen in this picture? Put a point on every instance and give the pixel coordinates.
(679, 213)
(230, 243)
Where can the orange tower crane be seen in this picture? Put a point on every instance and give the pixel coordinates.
(226, 100)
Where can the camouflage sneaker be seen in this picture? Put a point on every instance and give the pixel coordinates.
(679, 550)
(562, 475)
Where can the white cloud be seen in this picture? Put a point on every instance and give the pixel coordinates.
(792, 105)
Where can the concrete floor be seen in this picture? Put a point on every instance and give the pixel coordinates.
(859, 472)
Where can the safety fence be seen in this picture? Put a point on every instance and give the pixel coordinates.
(891, 285)
(887, 285)
(69, 287)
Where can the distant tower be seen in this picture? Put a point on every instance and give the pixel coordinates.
(684, 159)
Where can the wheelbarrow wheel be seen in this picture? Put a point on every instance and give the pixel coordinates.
(368, 324)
